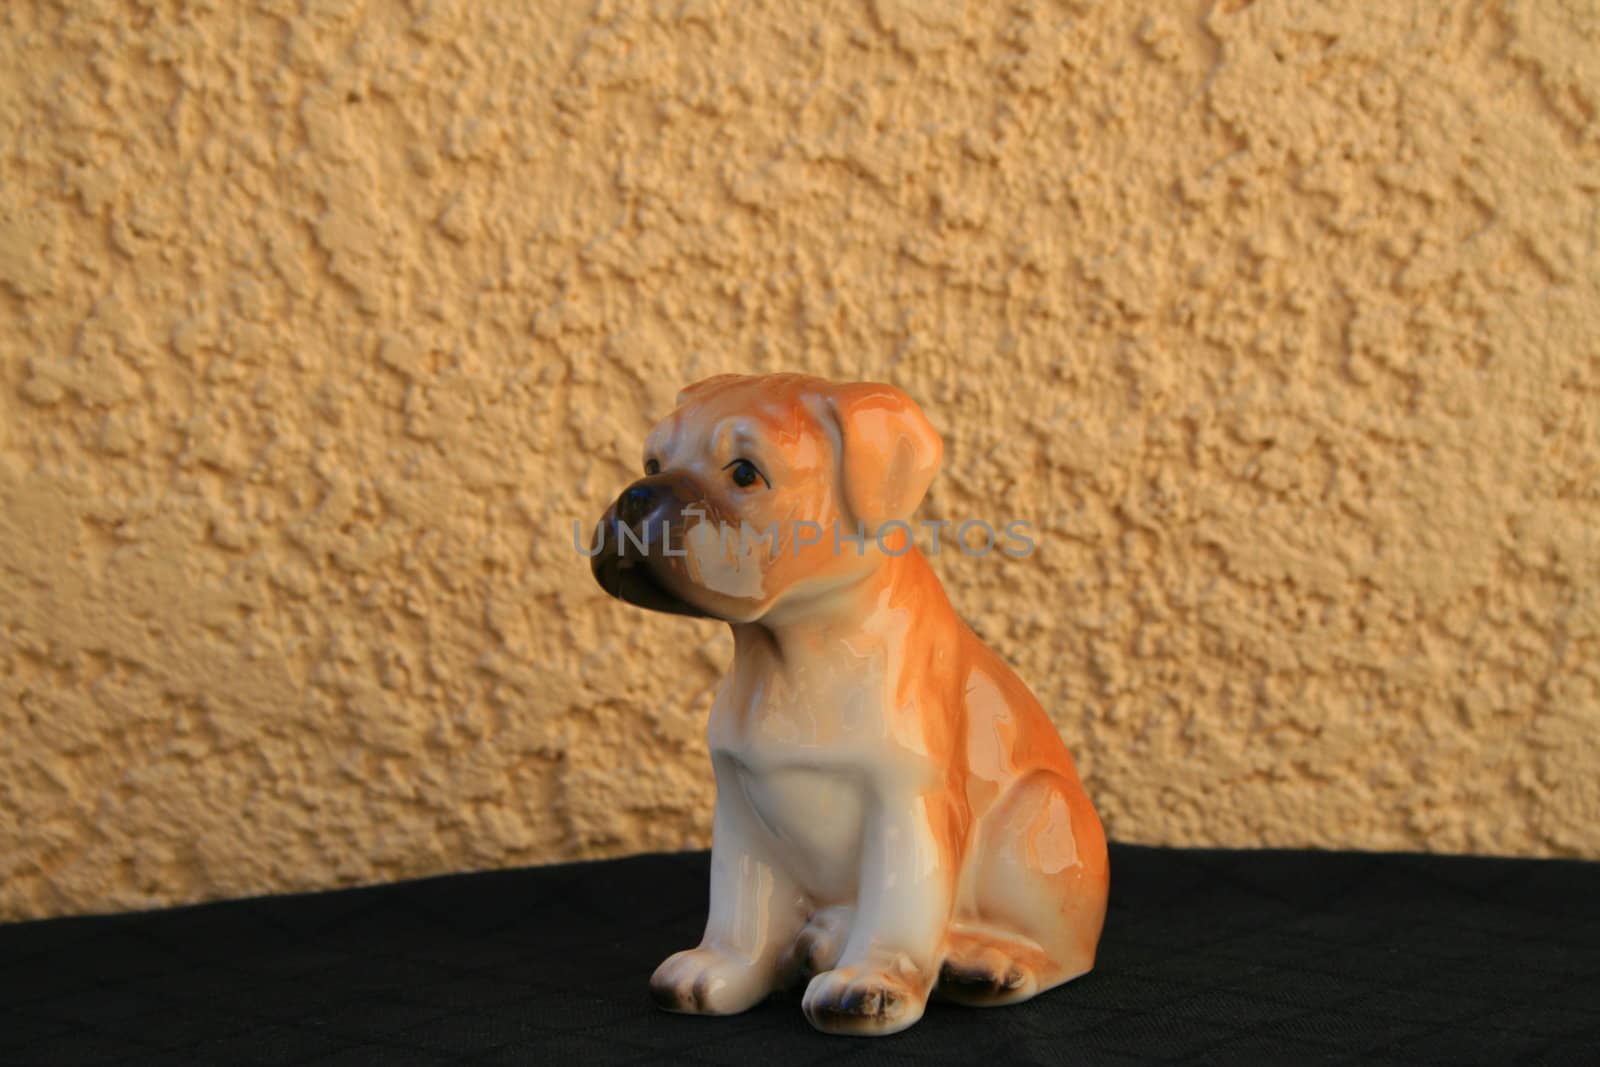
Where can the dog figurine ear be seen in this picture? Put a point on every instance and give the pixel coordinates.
(888, 452)
(704, 385)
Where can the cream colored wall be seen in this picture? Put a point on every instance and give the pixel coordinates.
(322, 321)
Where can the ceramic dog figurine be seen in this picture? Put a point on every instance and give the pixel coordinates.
(896, 816)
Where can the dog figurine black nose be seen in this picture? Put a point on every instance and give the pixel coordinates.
(635, 503)
(635, 534)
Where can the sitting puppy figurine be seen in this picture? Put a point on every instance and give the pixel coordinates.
(896, 816)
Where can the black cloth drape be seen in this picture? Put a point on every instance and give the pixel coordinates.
(1208, 957)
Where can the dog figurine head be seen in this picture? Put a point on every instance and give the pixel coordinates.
(764, 492)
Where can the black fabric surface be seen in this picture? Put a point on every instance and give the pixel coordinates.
(1208, 957)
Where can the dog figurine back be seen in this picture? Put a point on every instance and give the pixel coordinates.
(896, 816)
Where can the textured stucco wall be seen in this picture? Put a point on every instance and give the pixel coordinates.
(321, 321)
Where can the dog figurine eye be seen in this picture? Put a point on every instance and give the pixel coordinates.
(745, 474)
(652, 466)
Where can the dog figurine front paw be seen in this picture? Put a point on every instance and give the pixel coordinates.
(866, 999)
(709, 981)
(896, 815)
